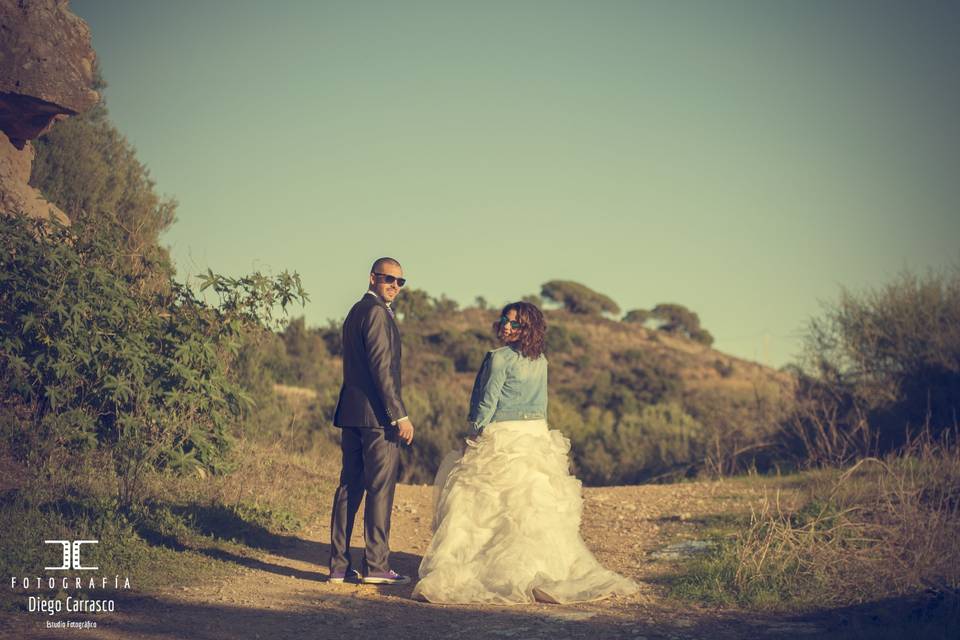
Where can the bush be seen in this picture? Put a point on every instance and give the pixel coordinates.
(90, 360)
(465, 349)
(724, 368)
(440, 416)
(882, 528)
(656, 441)
(559, 339)
(880, 364)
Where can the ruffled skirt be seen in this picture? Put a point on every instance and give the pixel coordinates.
(507, 525)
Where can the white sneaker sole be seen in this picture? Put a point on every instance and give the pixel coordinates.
(353, 576)
(403, 580)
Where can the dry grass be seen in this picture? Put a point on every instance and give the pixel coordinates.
(881, 528)
(267, 476)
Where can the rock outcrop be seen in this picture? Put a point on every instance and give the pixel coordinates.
(46, 73)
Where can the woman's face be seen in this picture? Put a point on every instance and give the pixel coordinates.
(506, 333)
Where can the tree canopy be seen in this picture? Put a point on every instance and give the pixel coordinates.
(578, 298)
(89, 169)
(672, 318)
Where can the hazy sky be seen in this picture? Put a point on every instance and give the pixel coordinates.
(746, 159)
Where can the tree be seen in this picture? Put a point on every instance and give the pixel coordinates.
(679, 320)
(444, 305)
(578, 298)
(86, 167)
(413, 304)
(639, 316)
(533, 299)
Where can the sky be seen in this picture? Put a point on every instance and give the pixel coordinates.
(745, 159)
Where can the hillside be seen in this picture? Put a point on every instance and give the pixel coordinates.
(638, 403)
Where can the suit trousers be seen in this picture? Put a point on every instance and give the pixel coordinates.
(371, 464)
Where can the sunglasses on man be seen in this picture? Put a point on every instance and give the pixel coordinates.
(391, 279)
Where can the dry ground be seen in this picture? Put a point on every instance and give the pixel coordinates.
(283, 593)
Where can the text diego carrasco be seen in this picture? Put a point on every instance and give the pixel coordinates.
(73, 605)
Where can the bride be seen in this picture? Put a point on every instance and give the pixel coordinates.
(507, 521)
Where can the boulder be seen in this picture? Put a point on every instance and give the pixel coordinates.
(46, 73)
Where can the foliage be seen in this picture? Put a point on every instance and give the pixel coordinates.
(676, 319)
(415, 305)
(638, 316)
(86, 167)
(466, 349)
(578, 298)
(625, 409)
(560, 339)
(656, 440)
(636, 379)
(724, 367)
(853, 538)
(533, 299)
(91, 360)
(878, 364)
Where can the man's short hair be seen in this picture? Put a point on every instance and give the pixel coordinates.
(379, 263)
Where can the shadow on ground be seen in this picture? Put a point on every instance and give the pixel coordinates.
(223, 524)
(335, 615)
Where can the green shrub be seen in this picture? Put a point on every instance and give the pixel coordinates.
(877, 366)
(558, 339)
(88, 359)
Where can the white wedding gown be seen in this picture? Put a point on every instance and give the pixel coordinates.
(507, 525)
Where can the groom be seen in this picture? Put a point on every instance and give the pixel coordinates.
(373, 421)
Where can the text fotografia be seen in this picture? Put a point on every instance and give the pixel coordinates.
(76, 582)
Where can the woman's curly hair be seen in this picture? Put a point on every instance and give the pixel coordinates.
(533, 329)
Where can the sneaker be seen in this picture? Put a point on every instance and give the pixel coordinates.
(385, 577)
(350, 575)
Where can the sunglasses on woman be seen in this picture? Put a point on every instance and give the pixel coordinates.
(391, 279)
(513, 323)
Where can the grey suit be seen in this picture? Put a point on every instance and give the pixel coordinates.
(370, 402)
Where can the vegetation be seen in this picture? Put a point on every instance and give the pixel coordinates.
(88, 360)
(86, 167)
(626, 405)
(878, 367)
(118, 383)
(578, 298)
(876, 423)
(675, 319)
(852, 538)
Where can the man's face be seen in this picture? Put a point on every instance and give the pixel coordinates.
(380, 286)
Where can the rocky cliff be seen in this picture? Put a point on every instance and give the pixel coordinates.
(46, 73)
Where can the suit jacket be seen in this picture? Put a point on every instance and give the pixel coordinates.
(371, 395)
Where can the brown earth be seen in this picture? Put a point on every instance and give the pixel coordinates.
(283, 593)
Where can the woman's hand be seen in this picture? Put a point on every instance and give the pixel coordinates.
(469, 441)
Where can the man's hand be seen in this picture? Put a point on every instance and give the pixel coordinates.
(405, 427)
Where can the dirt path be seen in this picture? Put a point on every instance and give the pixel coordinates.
(283, 593)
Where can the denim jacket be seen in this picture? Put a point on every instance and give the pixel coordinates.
(508, 387)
